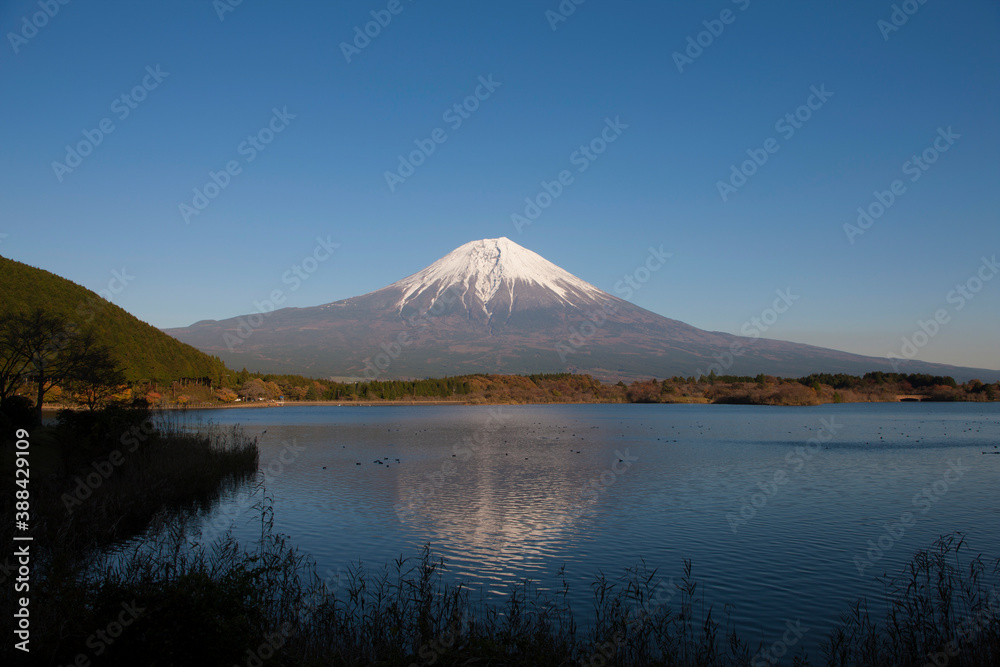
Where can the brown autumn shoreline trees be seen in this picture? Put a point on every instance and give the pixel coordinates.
(45, 357)
(255, 388)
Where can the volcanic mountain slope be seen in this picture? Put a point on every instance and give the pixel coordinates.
(492, 306)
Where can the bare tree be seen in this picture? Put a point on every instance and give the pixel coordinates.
(100, 382)
(13, 366)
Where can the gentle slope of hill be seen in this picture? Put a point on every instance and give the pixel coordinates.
(146, 352)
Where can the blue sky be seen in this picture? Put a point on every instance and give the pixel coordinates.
(888, 95)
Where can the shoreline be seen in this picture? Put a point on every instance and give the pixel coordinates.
(276, 404)
(369, 404)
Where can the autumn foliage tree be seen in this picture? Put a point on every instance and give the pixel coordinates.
(253, 390)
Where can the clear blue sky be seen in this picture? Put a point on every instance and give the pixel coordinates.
(323, 175)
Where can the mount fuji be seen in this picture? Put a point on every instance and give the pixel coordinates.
(492, 306)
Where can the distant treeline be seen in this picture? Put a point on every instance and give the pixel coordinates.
(762, 389)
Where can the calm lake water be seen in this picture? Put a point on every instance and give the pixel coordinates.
(777, 525)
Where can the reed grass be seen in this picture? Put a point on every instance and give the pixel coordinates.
(220, 602)
(122, 467)
(943, 609)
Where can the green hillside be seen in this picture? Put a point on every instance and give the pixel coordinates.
(145, 352)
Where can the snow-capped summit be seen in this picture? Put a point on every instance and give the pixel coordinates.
(493, 275)
(491, 306)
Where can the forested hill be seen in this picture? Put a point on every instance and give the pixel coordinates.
(145, 352)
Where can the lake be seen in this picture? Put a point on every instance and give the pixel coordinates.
(788, 513)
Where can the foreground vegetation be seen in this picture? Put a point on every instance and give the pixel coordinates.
(226, 604)
(178, 597)
(98, 479)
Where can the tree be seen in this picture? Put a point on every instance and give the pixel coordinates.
(13, 366)
(99, 383)
(314, 393)
(226, 395)
(272, 390)
(253, 390)
(49, 349)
